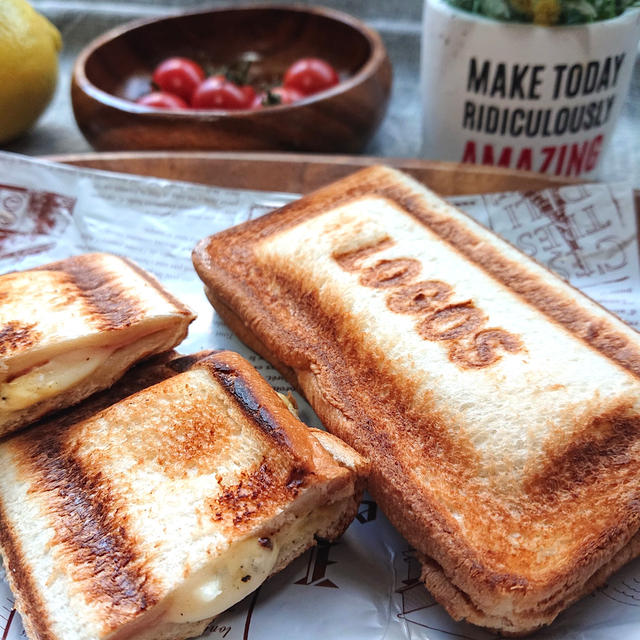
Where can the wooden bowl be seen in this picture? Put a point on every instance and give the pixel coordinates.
(116, 68)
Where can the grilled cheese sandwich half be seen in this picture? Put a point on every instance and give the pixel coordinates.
(500, 407)
(147, 517)
(73, 327)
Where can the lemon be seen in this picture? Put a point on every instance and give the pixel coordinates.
(29, 46)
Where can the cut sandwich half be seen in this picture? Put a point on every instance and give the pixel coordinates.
(148, 518)
(73, 327)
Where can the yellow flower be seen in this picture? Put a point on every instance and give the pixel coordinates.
(546, 12)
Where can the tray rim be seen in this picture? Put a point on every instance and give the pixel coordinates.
(301, 173)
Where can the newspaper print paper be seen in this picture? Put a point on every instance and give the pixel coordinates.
(367, 584)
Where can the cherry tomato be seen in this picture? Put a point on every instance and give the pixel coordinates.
(218, 93)
(276, 96)
(249, 94)
(162, 100)
(179, 76)
(256, 103)
(310, 75)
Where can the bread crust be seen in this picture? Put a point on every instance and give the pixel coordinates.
(279, 313)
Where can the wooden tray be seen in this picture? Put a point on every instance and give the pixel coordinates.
(300, 173)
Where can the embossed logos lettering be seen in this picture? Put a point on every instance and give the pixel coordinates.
(460, 325)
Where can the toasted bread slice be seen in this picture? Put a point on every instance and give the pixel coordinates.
(147, 518)
(500, 407)
(73, 327)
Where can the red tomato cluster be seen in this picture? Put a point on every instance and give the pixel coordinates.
(182, 84)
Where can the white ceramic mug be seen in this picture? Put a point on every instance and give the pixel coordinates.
(522, 96)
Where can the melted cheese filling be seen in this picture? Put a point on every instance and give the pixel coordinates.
(245, 566)
(242, 569)
(53, 377)
(290, 403)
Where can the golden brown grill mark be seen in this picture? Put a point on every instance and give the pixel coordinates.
(184, 363)
(89, 528)
(110, 304)
(295, 449)
(23, 582)
(14, 336)
(242, 394)
(243, 501)
(602, 451)
(179, 307)
(253, 496)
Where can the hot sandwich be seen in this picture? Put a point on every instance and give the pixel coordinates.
(147, 518)
(500, 408)
(73, 327)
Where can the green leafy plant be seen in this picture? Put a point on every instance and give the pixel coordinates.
(547, 12)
